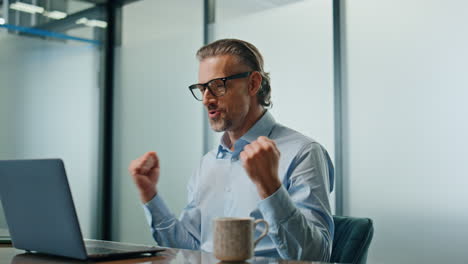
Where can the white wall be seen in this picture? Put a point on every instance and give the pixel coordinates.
(405, 134)
(49, 108)
(296, 41)
(154, 109)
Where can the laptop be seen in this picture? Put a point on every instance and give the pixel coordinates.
(41, 215)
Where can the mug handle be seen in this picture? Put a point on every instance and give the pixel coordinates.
(258, 221)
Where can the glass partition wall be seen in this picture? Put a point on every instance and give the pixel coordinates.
(51, 68)
(153, 107)
(51, 90)
(403, 92)
(156, 63)
(296, 41)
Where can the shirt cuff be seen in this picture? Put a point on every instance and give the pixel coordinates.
(157, 211)
(277, 208)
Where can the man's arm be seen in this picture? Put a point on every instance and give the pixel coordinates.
(169, 231)
(166, 229)
(299, 214)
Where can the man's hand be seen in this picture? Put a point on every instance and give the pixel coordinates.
(260, 159)
(145, 174)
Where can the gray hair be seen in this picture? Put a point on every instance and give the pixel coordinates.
(248, 55)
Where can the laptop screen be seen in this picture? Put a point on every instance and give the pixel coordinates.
(39, 208)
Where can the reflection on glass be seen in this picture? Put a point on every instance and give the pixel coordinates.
(165, 257)
(170, 256)
(49, 92)
(29, 258)
(59, 20)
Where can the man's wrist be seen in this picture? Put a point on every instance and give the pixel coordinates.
(267, 189)
(148, 195)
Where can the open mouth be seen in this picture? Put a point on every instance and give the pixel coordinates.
(213, 113)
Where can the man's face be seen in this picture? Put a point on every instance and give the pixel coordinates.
(228, 112)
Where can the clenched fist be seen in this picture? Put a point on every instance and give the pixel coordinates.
(260, 160)
(145, 174)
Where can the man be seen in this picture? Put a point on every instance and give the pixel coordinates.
(261, 169)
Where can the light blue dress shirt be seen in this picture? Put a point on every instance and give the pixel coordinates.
(299, 214)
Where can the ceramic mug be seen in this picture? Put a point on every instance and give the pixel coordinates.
(234, 238)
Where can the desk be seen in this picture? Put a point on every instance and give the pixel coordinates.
(10, 255)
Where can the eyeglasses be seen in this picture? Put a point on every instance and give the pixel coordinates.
(217, 87)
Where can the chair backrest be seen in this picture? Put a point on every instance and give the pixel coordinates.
(352, 239)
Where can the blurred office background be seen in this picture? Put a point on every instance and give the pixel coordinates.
(381, 84)
(50, 92)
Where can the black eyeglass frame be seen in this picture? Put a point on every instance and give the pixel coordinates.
(224, 79)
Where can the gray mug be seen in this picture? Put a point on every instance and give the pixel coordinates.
(234, 238)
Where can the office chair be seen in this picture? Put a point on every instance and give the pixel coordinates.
(351, 240)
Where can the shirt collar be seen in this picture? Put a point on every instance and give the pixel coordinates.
(262, 127)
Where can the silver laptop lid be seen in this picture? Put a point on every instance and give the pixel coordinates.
(39, 208)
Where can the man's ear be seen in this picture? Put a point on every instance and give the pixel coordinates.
(255, 82)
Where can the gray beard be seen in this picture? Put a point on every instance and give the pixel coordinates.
(226, 125)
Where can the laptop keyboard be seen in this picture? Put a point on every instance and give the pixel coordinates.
(99, 248)
(102, 251)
